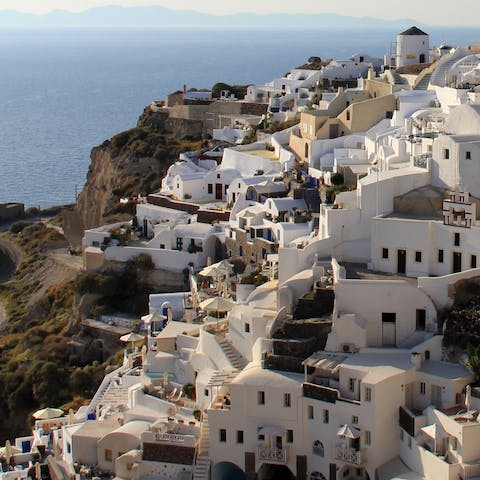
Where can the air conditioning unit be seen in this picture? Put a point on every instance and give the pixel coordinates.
(348, 348)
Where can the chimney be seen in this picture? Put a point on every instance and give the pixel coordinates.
(416, 359)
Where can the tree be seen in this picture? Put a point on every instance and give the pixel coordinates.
(473, 362)
(337, 179)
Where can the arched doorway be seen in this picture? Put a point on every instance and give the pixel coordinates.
(422, 58)
(269, 471)
(227, 471)
(350, 472)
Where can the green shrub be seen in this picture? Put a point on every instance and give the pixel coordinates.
(337, 179)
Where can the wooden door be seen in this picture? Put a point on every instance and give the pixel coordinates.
(218, 191)
(401, 261)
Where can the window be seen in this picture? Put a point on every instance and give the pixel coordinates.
(261, 397)
(162, 245)
(287, 400)
(355, 419)
(247, 327)
(423, 388)
(108, 455)
(446, 153)
(368, 394)
(401, 435)
(218, 176)
(427, 354)
(473, 261)
(239, 436)
(368, 437)
(468, 155)
(418, 256)
(316, 476)
(223, 435)
(351, 384)
(348, 115)
(409, 442)
(326, 416)
(179, 243)
(456, 239)
(318, 448)
(210, 188)
(389, 317)
(440, 256)
(384, 252)
(205, 392)
(240, 251)
(310, 412)
(226, 188)
(421, 319)
(289, 436)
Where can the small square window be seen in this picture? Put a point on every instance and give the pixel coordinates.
(218, 175)
(384, 252)
(289, 436)
(205, 392)
(456, 239)
(261, 397)
(287, 400)
(446, 153)
(468, 155)
(247, 327)
(210, 188)
(473, 261)
(239, 436)
(440, 256)
(310, 412)
(355, 419)
(368, 394)
(423, 388)
(223, 435)
(351, 384)
(368, 438)
(418, 256)
(326, 416)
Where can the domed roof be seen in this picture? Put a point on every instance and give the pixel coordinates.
(413, 31)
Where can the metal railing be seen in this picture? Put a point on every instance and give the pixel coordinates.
(271, 454)
(349, 455)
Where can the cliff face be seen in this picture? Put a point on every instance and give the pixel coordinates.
(131, 163)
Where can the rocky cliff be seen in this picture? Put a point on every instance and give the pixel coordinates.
(131, 163)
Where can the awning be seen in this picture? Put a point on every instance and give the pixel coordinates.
(348, 432)
(272, 430)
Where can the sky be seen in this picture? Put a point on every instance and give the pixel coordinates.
(432, 12)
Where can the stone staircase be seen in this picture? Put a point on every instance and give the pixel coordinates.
(116, 396)
(201, 469)
(234, 356)
(423, 83)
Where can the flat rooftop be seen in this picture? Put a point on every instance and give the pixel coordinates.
(359, 271)
(261, 152)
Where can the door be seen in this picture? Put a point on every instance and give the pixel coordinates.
(421, 319)
(218, 191)
(278, 442)
(145, 227)
(457, 262)
(389, 327)
(401, 261)
(437, 396)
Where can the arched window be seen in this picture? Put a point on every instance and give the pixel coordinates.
(316, 476)
(318, 448)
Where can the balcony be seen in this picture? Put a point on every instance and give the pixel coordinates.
(266, 453)
(320, 392)
(349, 455)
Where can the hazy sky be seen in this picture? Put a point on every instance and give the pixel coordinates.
(459, 12)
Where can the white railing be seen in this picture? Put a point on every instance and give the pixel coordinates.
(169, 437)
(349, 455)
(271, 454)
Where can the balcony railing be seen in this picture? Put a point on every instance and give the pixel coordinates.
(349, 455)
(267, 453)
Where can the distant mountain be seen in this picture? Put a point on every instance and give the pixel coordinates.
(155, 16)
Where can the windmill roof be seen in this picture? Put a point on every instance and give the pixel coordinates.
(413, 31)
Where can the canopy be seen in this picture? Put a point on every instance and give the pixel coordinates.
(272, 430)
(131, 337)
(154, 317)
(47, 413)
(218, 269)
(217, 304)
(348, 432)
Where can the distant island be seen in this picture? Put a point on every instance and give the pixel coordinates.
(156, 16)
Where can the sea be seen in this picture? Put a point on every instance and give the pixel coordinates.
(64, 91)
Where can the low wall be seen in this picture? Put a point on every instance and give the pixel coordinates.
(162, 258)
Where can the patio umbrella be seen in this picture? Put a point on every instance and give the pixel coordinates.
(8, 450)
(152, 318)
(348, 432)
(217, 304)
(131, 337)
(468, 397)
(47, 413)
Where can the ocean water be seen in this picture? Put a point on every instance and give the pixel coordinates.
(64, 91)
